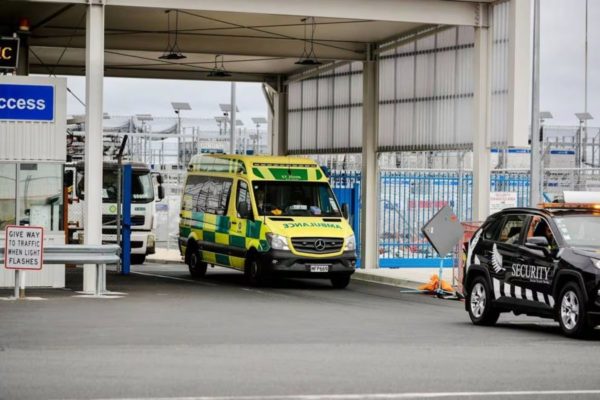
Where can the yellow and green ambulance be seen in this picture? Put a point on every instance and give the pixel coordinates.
(266, 216)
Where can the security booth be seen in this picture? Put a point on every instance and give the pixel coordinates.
(32, 157)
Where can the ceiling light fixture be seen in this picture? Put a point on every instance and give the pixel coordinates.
(308, 56)
(173, 52)
(218, 71)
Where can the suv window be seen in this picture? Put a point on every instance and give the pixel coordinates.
(511, 229)
(491, 230)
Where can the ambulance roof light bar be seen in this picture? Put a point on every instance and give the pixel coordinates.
(569, 206)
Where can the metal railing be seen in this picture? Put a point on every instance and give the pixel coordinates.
(79, 254)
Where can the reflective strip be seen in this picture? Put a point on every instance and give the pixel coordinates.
(518, 293)
(497, 293)
(507, 290)
(529, 294)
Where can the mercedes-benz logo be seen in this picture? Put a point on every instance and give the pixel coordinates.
(319, 244)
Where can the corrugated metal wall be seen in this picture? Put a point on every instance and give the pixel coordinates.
(36, 141)
(499, 49)
(325, 112)
(426, 93)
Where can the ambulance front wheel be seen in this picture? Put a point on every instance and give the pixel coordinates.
(340, 281)
(254, 271)
(196, 266)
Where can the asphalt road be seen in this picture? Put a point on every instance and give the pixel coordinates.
(173, 337)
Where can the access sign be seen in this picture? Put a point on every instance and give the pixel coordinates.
(24, 247)
(9, 53)
(26, 102)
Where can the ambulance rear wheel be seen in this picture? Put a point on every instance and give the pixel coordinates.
(196, 266)
(340, 281)
(479, 300)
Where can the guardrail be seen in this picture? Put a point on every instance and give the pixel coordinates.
(79, 254)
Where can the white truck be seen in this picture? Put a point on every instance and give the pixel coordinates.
(143, 221)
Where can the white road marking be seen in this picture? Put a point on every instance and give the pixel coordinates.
(384, 396)
(174, 278)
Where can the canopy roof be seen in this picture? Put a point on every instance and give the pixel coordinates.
(259, 39)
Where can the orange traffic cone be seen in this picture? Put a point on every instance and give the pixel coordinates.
(434, 284)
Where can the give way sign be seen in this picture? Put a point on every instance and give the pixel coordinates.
(24, 247)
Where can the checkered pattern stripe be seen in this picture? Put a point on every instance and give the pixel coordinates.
(502, 289)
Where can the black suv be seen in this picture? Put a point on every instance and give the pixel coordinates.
(541, 262)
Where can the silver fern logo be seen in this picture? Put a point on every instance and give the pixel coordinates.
(497, 260)
(472, 246)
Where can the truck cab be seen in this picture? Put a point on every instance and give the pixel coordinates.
(143, 221)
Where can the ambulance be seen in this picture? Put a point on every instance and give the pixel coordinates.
(265, 216)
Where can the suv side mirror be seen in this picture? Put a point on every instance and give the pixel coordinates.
(345, 211)
(538, 243)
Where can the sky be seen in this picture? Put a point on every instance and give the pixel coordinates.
(562, 55)
(126, 96)
(561, 77)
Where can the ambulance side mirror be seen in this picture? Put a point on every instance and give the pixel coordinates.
(345, 211)
(243, 210)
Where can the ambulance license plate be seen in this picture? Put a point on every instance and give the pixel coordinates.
(319, 268)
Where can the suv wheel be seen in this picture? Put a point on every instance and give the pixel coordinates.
(480, 304)
(571, 311)
(196, 266)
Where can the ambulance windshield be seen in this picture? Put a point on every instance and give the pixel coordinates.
(295, 199)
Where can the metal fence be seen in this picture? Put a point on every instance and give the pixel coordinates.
(409, 198)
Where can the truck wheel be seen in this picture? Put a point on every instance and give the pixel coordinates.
(571, 311)
(254, 272)
(138, 258)
(340, 281)
(479, 300)
(196, 266)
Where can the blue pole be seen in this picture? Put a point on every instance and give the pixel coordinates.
(126, 224)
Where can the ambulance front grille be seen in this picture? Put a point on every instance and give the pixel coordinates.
(317, 245)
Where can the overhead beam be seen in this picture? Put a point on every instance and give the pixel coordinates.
(415, 11)
(225, 45)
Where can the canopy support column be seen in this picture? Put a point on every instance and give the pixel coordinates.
(279, 124)
(94, 75)
(481, 133)
(369, 178)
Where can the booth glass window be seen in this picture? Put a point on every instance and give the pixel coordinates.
(39, 200)
(8, 178)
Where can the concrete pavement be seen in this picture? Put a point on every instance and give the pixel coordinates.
(171, 336)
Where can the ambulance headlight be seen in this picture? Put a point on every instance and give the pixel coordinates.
(277, 242)
(350, 243)
(596, 262)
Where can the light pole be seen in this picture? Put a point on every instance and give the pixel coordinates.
(229, 111)
(178, 107)
(143, 118)
(580, 146)
(544, 115)
(258, 121)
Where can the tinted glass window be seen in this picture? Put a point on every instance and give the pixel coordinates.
(491, 231)
(208, 194)
(511, 229)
